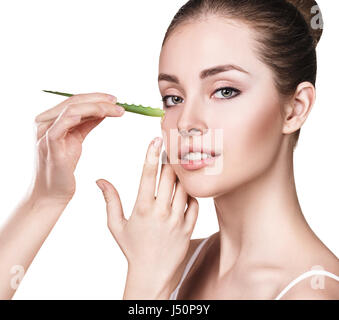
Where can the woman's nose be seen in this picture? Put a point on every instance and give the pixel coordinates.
(191, 121)
(190, 132)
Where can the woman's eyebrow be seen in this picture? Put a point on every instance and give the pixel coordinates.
(204, 73)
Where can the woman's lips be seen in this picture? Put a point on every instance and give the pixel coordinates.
(197, 164)
(182, 152)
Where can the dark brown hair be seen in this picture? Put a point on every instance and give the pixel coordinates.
(288, 32)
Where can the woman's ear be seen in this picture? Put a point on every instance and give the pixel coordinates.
(298, 109)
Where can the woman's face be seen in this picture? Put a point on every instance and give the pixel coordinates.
(241, 122)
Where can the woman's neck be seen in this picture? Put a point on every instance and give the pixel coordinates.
(261, 222)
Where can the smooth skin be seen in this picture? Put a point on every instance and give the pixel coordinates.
(156, 237)
(264, 240)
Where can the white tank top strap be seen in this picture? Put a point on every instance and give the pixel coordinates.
(306, 275)
(188, 268)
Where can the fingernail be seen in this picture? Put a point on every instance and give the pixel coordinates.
(157, 142)
(100, 185)
(113, 98)
(120, 109)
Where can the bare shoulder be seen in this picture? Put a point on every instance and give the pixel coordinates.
(323, 288)
(318, 286)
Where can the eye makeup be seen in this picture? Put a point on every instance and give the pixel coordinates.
(235, 92)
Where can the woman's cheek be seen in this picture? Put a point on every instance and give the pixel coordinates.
(171, 139)
(252, 140)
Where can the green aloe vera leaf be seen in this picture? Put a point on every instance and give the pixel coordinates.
(147, 111)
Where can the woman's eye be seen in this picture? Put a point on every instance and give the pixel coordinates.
(173, 99)
(228, 92)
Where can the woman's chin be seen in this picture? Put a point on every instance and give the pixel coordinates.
(200, 190)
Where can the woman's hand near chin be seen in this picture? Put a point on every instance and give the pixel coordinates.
(156, 237)
(61, 131)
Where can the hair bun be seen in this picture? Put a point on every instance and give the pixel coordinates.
(312, 14)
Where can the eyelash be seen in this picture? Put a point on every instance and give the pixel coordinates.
(232, 89)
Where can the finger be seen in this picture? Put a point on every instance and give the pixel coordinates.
(149, 173)
(57, 132)
(191, 213)
(62, 125)
(42, 128)
(88, 112)
(78, 98)
(166, 184)
(115, 214)
(86, 127)
(179, 201)
(92, 110)
(83, 128)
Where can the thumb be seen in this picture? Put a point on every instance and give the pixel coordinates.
(115, 214)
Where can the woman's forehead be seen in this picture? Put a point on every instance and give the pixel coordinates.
(206, 43)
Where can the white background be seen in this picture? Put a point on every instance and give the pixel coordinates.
(114, 47)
